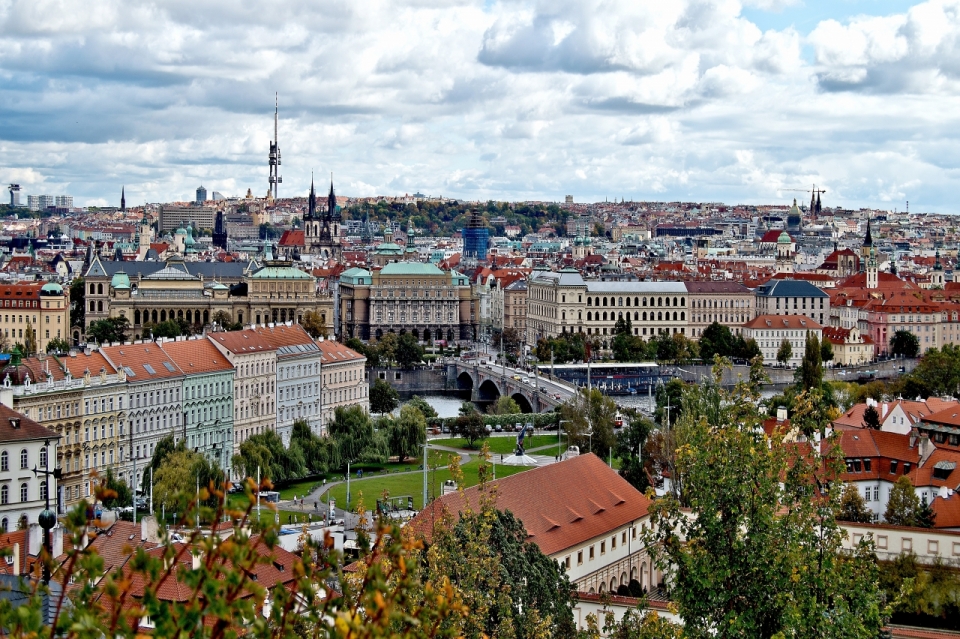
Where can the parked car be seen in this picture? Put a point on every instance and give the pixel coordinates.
(498, 428)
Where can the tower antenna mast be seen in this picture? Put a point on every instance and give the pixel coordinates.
(274, 159)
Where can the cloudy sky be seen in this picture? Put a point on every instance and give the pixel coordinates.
(706, 100)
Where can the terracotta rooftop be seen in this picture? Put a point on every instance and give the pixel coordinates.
(78, 362)
(196, 356)
(141, 362)
(26, 430)
(794, 322)
(242, 342)
(561, 505)
(332, 352)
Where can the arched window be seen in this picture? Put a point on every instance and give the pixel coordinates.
(24, 492)
(644, 316)
(628, 301)
(579, 315)
(604, 316)
(5, 524)
(24, 461)
(636, 316)
(620, 316)
(43, 457)
(666, 301)
(636, 301)
(99, 289)
(93, 305)
(589, 301)
(4, 461)
(619, 301)
(683, 301)
(604, 301)
(683, 316)
(659, 317)
(674, 316)
(92, 288)
(563, 315)
(4, 494)
(99, 306)
(674, 301)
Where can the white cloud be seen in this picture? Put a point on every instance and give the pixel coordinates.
(512, 99)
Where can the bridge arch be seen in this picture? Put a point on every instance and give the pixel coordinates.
(522, 402)
(488, 390)
(465, 381)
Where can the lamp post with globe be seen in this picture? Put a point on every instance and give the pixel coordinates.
(47, 518)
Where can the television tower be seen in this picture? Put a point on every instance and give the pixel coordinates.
(275, 178)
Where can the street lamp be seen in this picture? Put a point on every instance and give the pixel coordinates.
(47, 518)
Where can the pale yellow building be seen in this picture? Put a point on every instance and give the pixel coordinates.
(45, 308)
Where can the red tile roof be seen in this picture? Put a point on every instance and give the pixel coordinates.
(800, 322)
(333, 352)
(561, 505)
(79, 363)
(947, 510)
(196, 356)
(28, 429)
(137, 357)
(242, 342)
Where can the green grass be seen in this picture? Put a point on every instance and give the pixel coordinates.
(499, 445)
(409, 484)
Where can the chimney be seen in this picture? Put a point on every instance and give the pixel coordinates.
(16, 560)
(34, 540)
(871, 402)
(883, 410)
(926, 448)
(56, 541)
(197, 559)
(781, 414)
(149, 531)
(943, 492)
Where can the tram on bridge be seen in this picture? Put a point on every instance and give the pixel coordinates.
(611, 378)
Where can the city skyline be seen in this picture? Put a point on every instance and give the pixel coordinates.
(487, 100)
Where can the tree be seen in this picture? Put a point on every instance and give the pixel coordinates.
(938, 371)
(669, 394)
(469, 425)
(383, 398)
(174, 483)
(762, 554)
(163, 449)
(369, 351)
(747, 349)
(809, 374)
(78, 302)
(167, 328)
(352, 431)
(871, 418)
(716, 339)
(407, 433)
(590, 417)
(785, 352)
(926, 517)
(408, 352)
(423, 406)
(58, 345)
(105, 331)
(852, 506)
(315, 324)
(903, 504)
(120, 494)
(629, 442)
(826, 350)
(510, 587)
(30, 339)
(504, 406)
(904, 344)
(276, 462)
(224, 321)
(512, 340)
(387, 348)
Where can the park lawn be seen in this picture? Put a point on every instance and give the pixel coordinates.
(409, 484)
(499, 445)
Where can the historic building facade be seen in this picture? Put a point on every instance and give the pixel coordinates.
(298, 377)
(408, 297)
(343, 380)
(727, 303)
(42, 307)
(321, 230)
(24, 444)
(197, 292)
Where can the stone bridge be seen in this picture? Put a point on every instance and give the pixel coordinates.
(487, 383)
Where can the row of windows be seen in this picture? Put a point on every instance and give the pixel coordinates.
(637, 301)
(24, 492)
(603, 546)
(639, 317)
(24, 459)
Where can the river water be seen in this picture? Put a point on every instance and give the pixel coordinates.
(447, 406)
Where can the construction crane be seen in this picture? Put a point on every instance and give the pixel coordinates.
(814, 190)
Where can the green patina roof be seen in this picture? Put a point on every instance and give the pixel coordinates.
(281, 273)
(120, 280)
(410, 268)
(389, 247)
(355, 272)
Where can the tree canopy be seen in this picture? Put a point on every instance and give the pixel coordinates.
(383, 398)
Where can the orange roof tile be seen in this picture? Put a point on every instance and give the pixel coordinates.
(561, 505)
(196, 356)
(242, 342)
(146, 362)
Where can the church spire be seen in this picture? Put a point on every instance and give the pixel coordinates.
(312, 200)
(123, 198)
(331, 200)
(868, 240)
